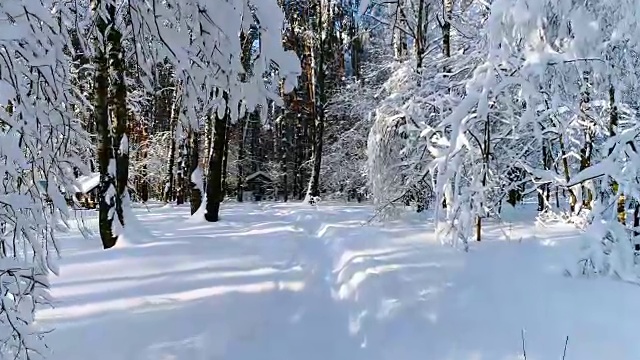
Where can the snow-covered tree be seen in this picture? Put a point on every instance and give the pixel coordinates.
(540, 97)
(39, 139)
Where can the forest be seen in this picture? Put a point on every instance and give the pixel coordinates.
(472, 116)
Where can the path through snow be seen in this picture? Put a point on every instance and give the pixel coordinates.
(289, 281)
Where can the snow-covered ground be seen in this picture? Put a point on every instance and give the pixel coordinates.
(290, 281)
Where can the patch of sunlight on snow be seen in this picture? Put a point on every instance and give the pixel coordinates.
(263, 231)
(126, 283)
(548, 242)
(355, 257)
(134, 303)
(149, 266)
(349, 288)
(324, 229)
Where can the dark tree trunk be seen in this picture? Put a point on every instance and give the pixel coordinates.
(544, 189)
(636, 218)
(144, 185)
(180, 175)
(214, 177)
(486, 157)
(613, 129)
(316, 149)
(105, 148)
(120, 118)
(194, 163)
(446, 28)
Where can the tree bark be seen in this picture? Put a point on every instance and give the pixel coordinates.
(316, 149)
(173, 125)
(225, 161)
(284, 148)
(208, 143)
(486, 156)
(565, 164)
(143, 188)
(194, 165)
(544, 189)
(214, 177)
(120, 114)
(319, 98)
(240, 164)
(420, 42)
(613, 128)
(181, 176)
(106, 199)
(589, 133)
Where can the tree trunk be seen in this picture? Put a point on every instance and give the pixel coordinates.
(319, 98)
(284, 148)
(175, 113)
(316, 149)
(356, 49)
(181, 175)
(106, 200)
(120, 115)
(255, 158)
(194, 166)
(214, 177)
(486, 156)
(240, 165)
(613, 128)
(208, 143)
(400, 45)
(587, 149)
(420, 40)
(636, 221)
(225, 162)
(143, 188)
(543, 190)
(565, 164)
(447, 5)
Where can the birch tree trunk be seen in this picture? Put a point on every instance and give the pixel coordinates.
(120, 114)
(589, 134)
(173, 125)
(318, 56)
(284, 148)
(447, 6)
(225, 162)
(106, 196)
